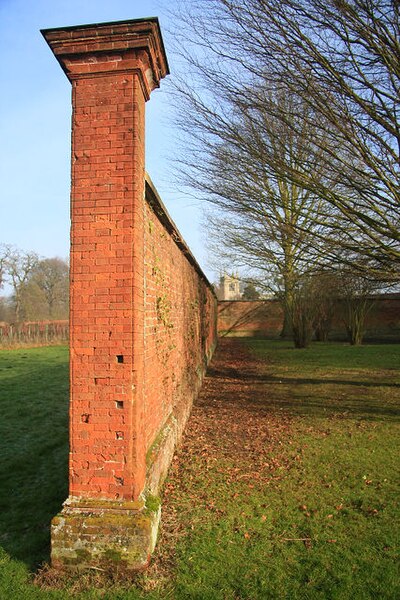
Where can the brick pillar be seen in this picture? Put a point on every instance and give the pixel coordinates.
(113, 67)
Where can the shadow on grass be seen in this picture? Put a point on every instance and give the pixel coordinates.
(34, 446)
(267, 378)
(367, 399)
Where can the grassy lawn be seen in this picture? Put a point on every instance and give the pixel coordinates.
(285, 486)
(34, 451)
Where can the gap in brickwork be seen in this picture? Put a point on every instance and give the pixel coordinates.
(120, 358)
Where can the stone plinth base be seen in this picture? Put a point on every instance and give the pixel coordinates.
(104, 534)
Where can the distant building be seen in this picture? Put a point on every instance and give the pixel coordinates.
(230, 288)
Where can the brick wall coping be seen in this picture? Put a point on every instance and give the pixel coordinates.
(110, 38)
(154, 200)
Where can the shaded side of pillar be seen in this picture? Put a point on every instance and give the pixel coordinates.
(113, 67)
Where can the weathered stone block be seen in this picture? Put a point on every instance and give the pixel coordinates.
(108, 535)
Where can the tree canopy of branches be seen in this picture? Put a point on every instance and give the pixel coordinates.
(264, 222)
(335, 66)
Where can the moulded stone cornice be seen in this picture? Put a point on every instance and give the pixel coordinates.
(97, 43)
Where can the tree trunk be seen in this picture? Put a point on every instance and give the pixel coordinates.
(357, 310)
(287, 329)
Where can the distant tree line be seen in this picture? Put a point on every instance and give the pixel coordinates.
(39, 286)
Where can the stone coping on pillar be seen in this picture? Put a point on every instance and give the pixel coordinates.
(112, 39)
(95, 505)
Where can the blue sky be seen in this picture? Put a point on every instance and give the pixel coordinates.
(35, 121)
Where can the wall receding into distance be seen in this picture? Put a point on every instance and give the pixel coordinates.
(143, 315)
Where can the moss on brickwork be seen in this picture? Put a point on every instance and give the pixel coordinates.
(84, 504)
(82, 555)
(155, 447)
(163, 307)
(113, 555)
(153, 504)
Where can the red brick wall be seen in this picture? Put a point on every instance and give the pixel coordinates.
(142, 313)
(134, 295)
(143, 316)
(107, 158)
(180, 325)
(383, 319)
(249, 318)
(265, 318)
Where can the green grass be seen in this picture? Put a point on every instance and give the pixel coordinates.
(328, 355)
(34, 451)
(321, 523)
(286, 486)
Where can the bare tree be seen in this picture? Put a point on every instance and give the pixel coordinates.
(339, 60)
(356, 295)
(345, 293)
(51, 276)
(302, 314)
(19, 266)
(262, 221)
(5, 251)
(324, 291)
